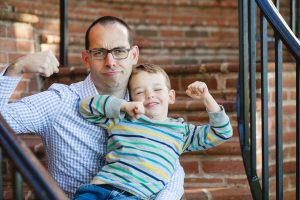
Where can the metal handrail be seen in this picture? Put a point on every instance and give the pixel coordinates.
(28, 165)
(246, 99)
(280, 26)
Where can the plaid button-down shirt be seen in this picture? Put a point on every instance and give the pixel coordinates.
(75, 148)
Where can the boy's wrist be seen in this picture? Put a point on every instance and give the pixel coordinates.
(210, 104)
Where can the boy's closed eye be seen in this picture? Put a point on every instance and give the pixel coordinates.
(139, 92)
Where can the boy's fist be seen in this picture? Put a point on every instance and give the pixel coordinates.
(197, 90)
(133, 108)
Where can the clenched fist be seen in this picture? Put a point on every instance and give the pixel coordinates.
(133, 108)
(197, 90)
(43, 63)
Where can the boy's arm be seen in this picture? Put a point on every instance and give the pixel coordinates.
(105, 110)
(101, 109)
(174, 189)
(218, 131)
(219, 128)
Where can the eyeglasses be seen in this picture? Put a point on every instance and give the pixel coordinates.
(117, 53)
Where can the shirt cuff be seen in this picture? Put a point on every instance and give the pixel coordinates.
(3, 71)
(217, 118)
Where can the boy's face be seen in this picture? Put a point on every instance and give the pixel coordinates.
(151, 89)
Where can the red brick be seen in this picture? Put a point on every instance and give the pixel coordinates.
(237, 181)
(211, 82)
(231, 83)
(192, 182)
(27, 46)
(3, 58)
(7, 45)
(228, 167)
(231, 194)
(3, 30)
(191, 167)
(171, 33)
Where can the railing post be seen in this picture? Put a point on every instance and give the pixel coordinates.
(18, 186)
(264, 105)
(298, 128)
(1, 175)
(63, 57)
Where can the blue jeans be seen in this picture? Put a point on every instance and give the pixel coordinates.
(107, 192)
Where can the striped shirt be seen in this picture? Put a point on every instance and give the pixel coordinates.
(141, 153)
(75, 148)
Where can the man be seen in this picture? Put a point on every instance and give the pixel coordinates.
(76, 148)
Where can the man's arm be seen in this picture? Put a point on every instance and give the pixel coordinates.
(25, 115)
(174, 189)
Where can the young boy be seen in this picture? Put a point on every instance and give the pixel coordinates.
(144, 143)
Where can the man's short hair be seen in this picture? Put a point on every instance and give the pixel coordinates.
(104, 21)
(151, 69)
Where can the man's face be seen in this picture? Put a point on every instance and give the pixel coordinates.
(151, 89)
(108, 74)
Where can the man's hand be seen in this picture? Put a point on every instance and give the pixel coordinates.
(43, 63)
(133, 108)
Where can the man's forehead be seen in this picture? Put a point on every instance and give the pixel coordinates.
(109, 35)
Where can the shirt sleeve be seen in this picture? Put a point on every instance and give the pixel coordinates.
(7, 87)
(216, 132)
(174, 189)
(33, 114)
(103, 110)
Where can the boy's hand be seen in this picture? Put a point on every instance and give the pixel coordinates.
(133, 108)
(197, 90)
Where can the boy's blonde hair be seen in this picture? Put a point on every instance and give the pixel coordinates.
(151, 69)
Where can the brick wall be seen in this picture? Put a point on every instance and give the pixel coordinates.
(192, 39)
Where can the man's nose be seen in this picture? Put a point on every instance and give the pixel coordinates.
(109, 60)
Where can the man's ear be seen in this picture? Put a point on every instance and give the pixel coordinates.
(85, 59)
(135, 54)
(172, 95)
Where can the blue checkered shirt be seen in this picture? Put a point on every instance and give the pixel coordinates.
(75, 148)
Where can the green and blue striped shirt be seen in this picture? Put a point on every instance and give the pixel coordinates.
(141, 153)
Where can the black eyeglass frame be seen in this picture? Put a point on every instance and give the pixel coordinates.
(107, 51)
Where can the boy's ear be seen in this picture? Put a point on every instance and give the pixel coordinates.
(172, 95)
(85, 59)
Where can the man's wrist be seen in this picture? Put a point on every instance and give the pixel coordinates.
(14, 69)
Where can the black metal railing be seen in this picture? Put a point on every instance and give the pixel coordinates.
(64, 38)
(254, 39)
(27, 168)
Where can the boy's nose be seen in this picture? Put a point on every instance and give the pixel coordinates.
(150, 95)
